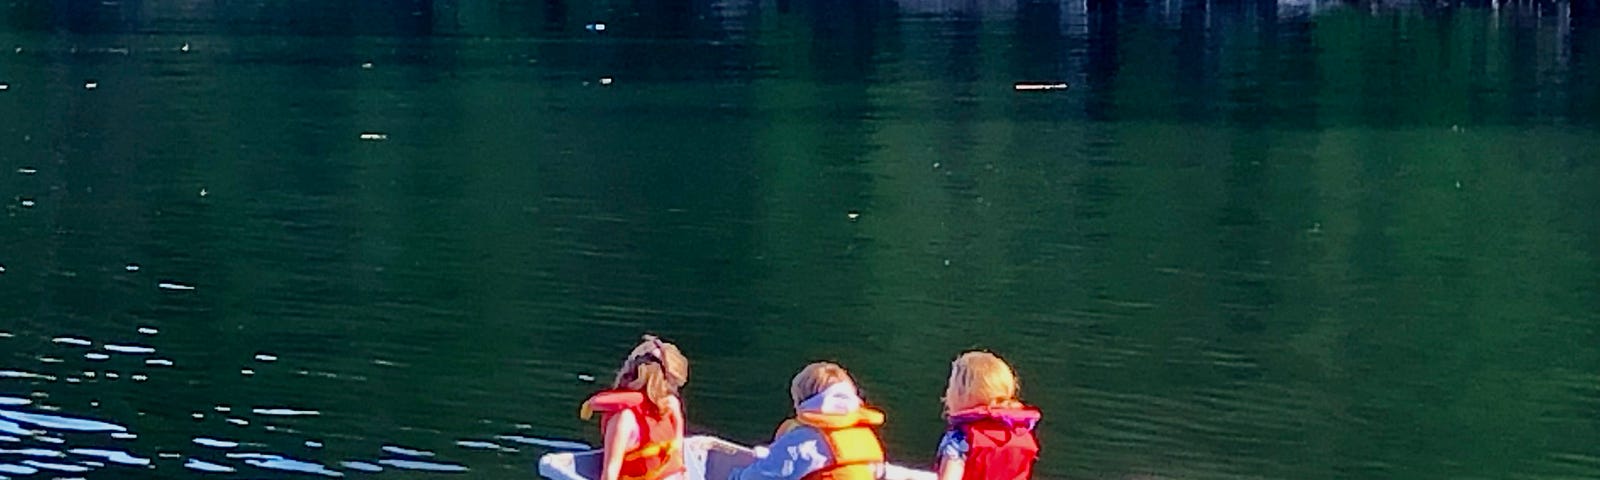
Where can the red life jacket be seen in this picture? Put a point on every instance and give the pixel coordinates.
(1000, 442)
(659, 453)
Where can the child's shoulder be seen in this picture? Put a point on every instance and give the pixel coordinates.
(953, 444)
(785, 427)
(793, 432)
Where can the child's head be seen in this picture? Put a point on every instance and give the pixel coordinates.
(980, 379)
(656, 368)
(815, 378)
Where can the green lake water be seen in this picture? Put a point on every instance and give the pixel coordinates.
(1288, 240)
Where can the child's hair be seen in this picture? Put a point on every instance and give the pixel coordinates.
(656, 368)
(815, 378)
(979, 379)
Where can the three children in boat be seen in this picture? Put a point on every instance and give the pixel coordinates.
(832, 435)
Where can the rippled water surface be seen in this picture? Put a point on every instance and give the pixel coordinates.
(1252, 240)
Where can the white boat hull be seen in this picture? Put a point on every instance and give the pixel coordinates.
(707, 458)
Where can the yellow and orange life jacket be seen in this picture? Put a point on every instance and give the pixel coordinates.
(852, 439)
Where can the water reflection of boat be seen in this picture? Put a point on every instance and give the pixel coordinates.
(708, 458)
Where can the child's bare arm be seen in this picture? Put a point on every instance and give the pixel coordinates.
(951, 468)
(618, 433)
(952, 455)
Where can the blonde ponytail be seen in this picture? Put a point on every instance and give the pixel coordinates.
(656, 368)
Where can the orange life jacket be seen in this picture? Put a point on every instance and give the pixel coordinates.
(659, 453)
(1000, 442)
(850, 436)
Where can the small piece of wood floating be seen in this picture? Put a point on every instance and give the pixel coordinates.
(1038, 86)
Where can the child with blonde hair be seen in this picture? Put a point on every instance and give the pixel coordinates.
(641, 416)
(990, 435)
(831, 437)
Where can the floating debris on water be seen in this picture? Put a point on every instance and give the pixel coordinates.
(184, 48)
(88, 374)
(367, 65)
(174, 286)
(203, 193)
(852, 215)
(361, 466)
(198, 416)
(285, 412)
(1039, 86)
(406, 451)
(129, 349)
(374, 136)
(262, 357)
(133, 267)
(27, 203)
(204, 466)
(605, 80)
(595, 27)
(139, 378)
(147, 330)
(247, 372)
(423, 466)
(72, 341)
(586, 377)
(91, 85)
